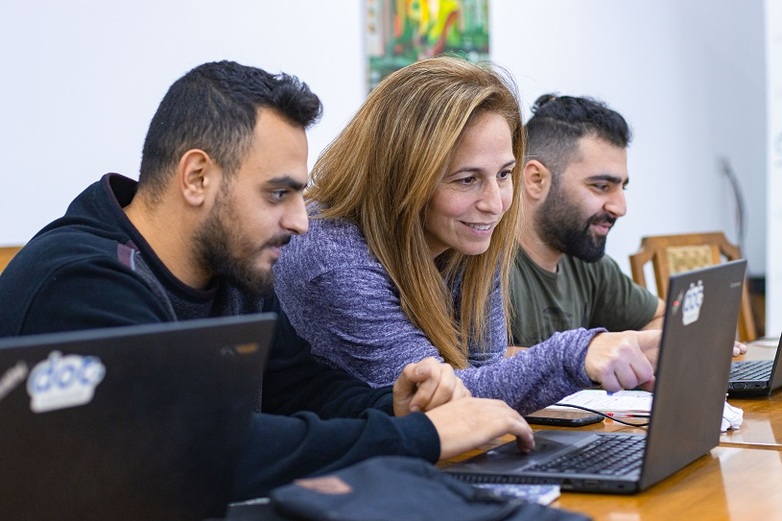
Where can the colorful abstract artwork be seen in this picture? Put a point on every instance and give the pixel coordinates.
(400, 32)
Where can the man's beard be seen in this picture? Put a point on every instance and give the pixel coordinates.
(224, 253)
(561, 226)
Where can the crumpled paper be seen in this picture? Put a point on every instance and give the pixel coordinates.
(732, 417)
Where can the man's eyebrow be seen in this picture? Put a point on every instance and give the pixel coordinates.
(609, 178)
(286, 182)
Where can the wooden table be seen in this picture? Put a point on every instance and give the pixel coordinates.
(762, 426)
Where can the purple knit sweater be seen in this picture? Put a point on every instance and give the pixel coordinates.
(340, 298)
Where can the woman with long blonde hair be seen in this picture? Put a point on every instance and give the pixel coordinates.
(412, 235)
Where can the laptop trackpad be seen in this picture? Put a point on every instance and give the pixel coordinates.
(548, 445)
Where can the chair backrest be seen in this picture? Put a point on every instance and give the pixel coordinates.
(677, 253)
(6, 254)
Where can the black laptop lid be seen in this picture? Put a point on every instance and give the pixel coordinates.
(698, 335)
(140, 422)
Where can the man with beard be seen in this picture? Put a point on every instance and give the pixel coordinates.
(220, 192)
(574, 178)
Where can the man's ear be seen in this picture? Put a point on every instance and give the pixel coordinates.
(536, 179)
(197, 176)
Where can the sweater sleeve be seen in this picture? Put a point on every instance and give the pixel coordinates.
(535, 377)
(281, 449)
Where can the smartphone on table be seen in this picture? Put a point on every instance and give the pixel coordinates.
(563, 418)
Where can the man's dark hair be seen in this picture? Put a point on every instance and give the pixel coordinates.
(558, 122)
(214, 108)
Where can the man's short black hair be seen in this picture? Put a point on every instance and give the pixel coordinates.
(558, 122)
(214, 108)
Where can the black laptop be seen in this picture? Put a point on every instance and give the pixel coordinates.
(689, 397)
(755, 377)
(128, 423)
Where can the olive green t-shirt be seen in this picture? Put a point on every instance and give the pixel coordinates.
(579, 294)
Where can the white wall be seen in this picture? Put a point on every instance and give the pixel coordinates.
(80, 81)
(687, 76)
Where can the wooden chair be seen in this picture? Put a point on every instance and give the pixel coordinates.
(677, 253)
(6, 254)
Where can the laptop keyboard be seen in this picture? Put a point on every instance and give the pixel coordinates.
(751, 370)
(608, 455)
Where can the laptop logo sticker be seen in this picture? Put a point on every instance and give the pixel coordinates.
(693, 300)
(60, 381)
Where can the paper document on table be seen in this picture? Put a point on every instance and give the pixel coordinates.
(618, 404)
(634, 404)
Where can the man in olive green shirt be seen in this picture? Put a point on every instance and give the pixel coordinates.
(573, 180)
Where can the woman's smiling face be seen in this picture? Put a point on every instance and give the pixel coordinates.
(476, 190)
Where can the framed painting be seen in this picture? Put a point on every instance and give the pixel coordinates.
(400, 32)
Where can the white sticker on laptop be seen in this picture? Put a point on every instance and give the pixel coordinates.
(693, 300)
(60, 381)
